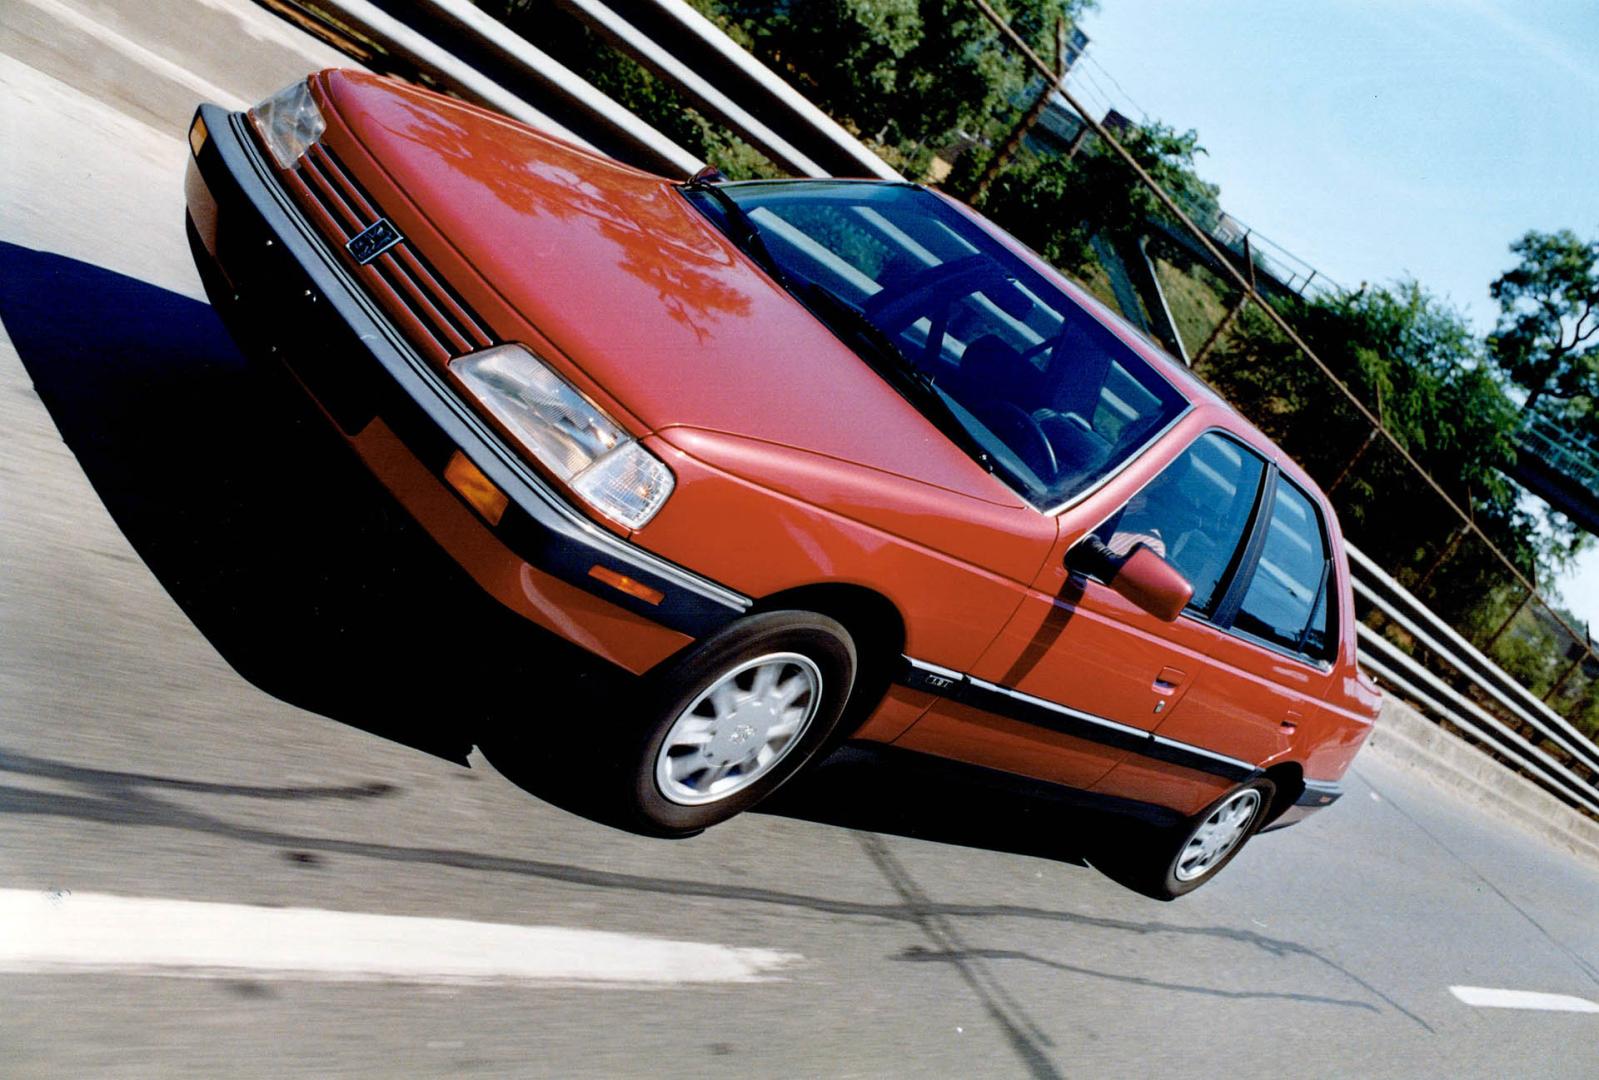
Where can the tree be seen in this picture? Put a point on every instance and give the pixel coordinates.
(908, 75)
(1547, 339)
(1415, 363)
(1057, 205)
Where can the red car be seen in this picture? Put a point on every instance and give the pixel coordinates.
(815, 458)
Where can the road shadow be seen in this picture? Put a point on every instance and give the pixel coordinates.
(144, 800)
(860, 786)
(256, 518)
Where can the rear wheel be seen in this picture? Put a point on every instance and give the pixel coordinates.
(728, 723)
(1168, 863)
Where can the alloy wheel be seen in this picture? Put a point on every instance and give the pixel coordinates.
(738, 728)
(1218, 834)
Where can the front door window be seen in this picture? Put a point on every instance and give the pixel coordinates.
(1194, 514)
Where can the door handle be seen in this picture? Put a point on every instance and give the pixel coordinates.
(1291, 721)
(1168, 680)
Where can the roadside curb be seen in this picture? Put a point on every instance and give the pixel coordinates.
(1405, 736)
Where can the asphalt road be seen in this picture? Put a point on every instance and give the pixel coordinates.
(169, 520)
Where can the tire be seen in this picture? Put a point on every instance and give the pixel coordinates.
(725, 725)
(1167, 863)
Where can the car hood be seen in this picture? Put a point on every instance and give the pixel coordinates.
(618, 271)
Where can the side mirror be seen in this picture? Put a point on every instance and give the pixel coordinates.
(1141, 576)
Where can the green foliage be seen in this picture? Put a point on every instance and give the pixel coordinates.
(1413, 362)
(910, 76)
(1057, 205)
(1546, 337)
(1199, 299)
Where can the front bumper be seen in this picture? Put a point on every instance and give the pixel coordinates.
(286, 294)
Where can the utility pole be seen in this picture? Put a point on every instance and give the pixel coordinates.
(1233, 312)
(1025, 124)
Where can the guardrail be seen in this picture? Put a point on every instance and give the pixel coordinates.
(670, 38)
(1567, 765)
(571, 107)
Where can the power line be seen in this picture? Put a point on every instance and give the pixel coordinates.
(1105, 95)
(1089, 56)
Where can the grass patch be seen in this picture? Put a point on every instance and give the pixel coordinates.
(1198, 299)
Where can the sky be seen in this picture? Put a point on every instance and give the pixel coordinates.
(1376, 139)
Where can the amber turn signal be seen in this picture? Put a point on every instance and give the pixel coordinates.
(468, 480)
(627, 584)
(197, 134)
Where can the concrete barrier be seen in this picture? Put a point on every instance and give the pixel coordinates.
(1404, 735)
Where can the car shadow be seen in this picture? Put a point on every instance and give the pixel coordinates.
(865, 787)
(255, 517)
(302, 573)
(881, 789)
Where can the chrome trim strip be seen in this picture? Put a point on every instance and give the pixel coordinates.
(992, 697)
(504, 456)
(1190, 748)
(1090, 718)
(1321, 666)
(923, 665)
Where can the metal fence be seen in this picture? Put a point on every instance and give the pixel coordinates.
(485, 62)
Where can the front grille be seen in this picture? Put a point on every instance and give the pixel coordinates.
(431, 314)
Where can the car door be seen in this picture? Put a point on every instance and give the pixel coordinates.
(1269, 670)
(1081, 677)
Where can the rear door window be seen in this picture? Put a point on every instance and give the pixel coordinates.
(1287, 600)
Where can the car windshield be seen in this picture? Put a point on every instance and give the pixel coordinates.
(1037, 389)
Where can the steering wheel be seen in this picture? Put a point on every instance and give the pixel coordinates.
(1018, 430)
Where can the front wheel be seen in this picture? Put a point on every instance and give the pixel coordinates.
(1168, 863)
(728, 723)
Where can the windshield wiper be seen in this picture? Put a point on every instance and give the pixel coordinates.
(743, 230)
(837, 310)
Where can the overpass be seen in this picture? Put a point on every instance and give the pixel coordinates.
(1561, 466)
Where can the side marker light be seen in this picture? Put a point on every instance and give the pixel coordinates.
(627, 584)
(478, 490)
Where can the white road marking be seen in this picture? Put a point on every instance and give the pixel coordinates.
(44, 933)
(1487, 997)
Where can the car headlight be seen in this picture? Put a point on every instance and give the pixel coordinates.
(289, 122)
(567, 433)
